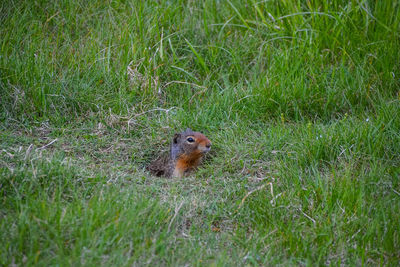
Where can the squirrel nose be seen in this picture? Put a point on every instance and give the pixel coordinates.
(208, 145)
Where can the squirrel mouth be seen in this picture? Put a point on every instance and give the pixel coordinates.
(204, 149)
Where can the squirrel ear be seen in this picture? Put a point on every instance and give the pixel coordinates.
(188, 130)
(176, 137)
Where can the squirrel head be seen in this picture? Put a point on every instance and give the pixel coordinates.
(189, 143)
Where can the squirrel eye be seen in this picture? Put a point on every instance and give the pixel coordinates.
(190, 140)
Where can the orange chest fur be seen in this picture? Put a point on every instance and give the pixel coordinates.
(185, 162)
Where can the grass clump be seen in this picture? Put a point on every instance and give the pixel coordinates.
(300, 100)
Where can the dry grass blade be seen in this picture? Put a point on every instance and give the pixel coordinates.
(253, 191)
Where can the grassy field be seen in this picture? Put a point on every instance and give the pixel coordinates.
(301, 100)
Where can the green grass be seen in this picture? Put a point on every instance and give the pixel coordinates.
(300, 99)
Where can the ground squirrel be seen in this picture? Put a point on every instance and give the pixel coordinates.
(186, 153)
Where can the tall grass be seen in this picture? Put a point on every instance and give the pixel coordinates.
(303, 60)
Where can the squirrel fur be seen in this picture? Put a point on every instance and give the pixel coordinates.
(187, 150)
